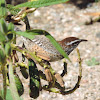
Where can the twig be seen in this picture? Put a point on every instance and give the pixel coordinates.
(79, 77)
(65, 68)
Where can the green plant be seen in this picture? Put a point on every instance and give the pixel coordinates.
(97, 0)
(9, 58)
(92, 62)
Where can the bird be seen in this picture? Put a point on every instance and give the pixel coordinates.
(44, 49)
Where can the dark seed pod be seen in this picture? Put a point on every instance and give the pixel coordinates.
(19, 85)
(48, 75)
(24, 72)
(59, 79)
(34, 79)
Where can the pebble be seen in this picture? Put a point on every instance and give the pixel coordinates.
(77, 29)
(98, 35)
(37, 13)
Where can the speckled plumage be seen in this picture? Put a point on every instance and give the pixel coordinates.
(45, 50)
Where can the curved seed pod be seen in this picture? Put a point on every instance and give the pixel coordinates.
(19, 85)
(2, 56)
(24, 72)
(48, 75)
(59, 79)
(7, 48)
(34, 79)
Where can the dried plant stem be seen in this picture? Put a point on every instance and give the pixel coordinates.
(79, 77)
(65, 68)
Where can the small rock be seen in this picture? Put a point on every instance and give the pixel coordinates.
(37, 13)
(77, 29)
(98, 35)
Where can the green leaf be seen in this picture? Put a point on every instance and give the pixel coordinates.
(3, 26)
(19, 85)
(10, 27)
(7, 48)
(2, 37)
(13, 88)
(2, 56)
(1, 95)
(25, 34)
(3, 12)
(8, 95)
(40, 3)
(12, 10)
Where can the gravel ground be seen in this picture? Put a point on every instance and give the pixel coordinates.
(66, 20)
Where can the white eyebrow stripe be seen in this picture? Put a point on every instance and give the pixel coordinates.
(70, 43)
(34, 40)
(37, 42)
